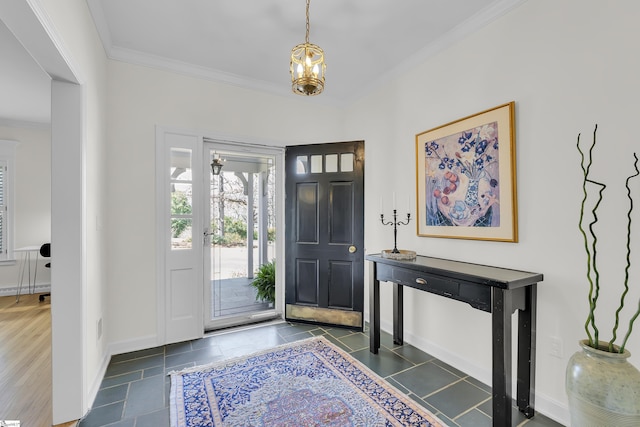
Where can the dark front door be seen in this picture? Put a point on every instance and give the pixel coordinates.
(324, 274)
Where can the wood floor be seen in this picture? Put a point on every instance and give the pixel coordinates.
(25, 361)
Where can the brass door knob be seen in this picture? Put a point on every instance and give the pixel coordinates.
(352, 249)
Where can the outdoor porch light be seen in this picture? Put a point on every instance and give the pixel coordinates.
(216, 164)
(307, 67)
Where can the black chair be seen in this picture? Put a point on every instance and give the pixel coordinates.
(45, 252)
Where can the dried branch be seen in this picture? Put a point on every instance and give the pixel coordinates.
(594, 285)
(628, 266)
(590, 244)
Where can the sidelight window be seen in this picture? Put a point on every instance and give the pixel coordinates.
(181, 199)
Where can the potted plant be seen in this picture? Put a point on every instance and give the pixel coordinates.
(603, 388)
(265, 282)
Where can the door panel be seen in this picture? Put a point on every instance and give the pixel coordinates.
(180, 307)
(307, 213)
(307, 275)
(340, 296)
(341, 212)
(178, 215)
(324, 273)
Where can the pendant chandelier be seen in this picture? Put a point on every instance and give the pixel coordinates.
(307, 66)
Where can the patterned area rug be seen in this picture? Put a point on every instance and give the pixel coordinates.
(305, 383)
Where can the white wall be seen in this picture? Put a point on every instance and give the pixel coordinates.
(32, 199)
(567, 65)
(140, 99)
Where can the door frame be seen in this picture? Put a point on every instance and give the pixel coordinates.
(240, 144)
(278, 154)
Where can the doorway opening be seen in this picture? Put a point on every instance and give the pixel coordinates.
(239, 236)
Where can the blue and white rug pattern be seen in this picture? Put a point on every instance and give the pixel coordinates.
(306, 383)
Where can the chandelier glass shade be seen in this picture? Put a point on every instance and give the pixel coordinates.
(307, 66)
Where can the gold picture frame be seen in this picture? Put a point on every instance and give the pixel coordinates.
(466, 178)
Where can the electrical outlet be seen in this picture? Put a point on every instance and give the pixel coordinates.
(555, 346)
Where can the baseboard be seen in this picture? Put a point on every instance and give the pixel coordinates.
(13, 290)
(127, 346)
(544, 404)
(553, 409)
(97, 381)
(113, 349)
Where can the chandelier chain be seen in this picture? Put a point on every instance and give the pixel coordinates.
(307, 36)
(307, 66)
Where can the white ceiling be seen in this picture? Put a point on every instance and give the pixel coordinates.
(247, 43)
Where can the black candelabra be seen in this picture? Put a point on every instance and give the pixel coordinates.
(395, 224)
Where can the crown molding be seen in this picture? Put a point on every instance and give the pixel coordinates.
(459, 32)
(462, 30)
(136, 57)
(99, 20)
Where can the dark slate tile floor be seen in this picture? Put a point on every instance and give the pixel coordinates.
(135, 390)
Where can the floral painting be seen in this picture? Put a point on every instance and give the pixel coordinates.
(466, 180)
(461, 172)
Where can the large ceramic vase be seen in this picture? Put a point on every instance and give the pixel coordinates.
(603, 388)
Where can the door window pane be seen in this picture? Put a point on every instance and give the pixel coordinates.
(346, 162)
(302, 165)
(181, 237)
(241, 219)
(181, 187)
(181, 201)
(180, 164)
(331, 163)
(316, 163)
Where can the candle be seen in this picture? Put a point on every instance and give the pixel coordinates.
(381, 204)
(394, 200)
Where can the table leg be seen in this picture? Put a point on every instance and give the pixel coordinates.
(501, 333)
(527, 353)
(35, 272)
(21, 271)
(398, 314)
(374, 310)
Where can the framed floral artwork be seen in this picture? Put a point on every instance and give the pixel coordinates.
(466, 178)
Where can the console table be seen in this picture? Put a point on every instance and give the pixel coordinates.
(499, 291)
